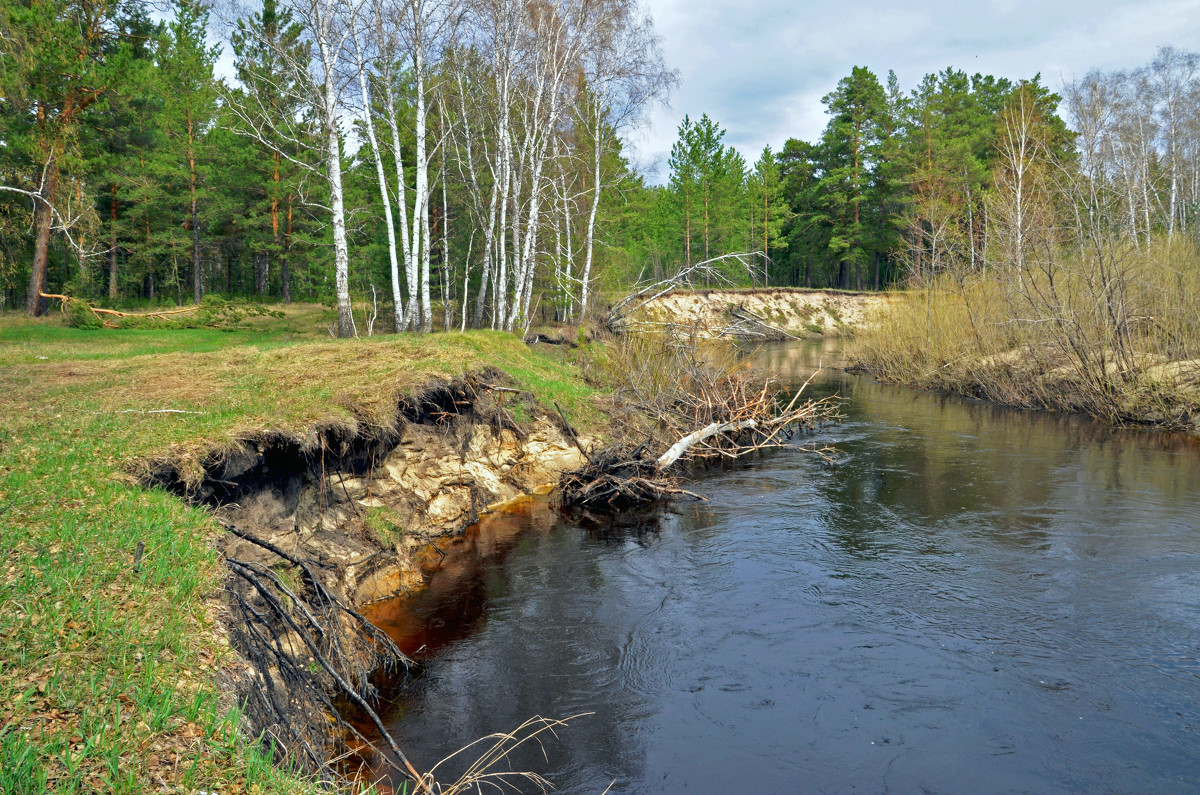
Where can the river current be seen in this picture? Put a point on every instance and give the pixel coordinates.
(971, 599)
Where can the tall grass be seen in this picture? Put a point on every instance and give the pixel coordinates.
(1112, 330)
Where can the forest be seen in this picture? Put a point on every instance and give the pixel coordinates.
(461, 163)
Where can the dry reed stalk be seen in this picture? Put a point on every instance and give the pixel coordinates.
(1114, 334)
(482, 770)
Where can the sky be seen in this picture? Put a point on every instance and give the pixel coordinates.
(760, 67)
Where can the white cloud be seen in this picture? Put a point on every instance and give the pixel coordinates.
(760, 68)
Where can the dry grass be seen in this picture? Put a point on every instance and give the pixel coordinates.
(1116, 337)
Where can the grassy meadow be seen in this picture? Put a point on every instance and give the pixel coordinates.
(109, 672)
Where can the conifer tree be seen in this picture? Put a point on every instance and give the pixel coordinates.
(54, 67)
(263, 46)
(190, 94)
(857, 108)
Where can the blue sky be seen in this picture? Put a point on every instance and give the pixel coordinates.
(760, 67)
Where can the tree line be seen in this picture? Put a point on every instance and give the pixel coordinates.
(464, 158)
(902, 186)
(427, 153)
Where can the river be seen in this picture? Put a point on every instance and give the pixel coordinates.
(972, 599)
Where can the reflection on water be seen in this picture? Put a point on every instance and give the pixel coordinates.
(971, 600)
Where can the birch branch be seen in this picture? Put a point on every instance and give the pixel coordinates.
(680, 448)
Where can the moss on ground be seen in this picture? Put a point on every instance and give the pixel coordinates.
(107, 670)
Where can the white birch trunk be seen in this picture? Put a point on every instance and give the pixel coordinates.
(677, 450)
(420, 233)
(591, 227)
(404, 321)
(333, 174)
(397, 297)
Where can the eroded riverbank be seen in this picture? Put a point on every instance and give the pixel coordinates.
(974, 599)
(763, 313)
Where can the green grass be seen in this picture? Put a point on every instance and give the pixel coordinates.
(107, 674)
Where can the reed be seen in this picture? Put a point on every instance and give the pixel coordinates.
(1111, 329)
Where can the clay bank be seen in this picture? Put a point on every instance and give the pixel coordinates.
(762, 314)
(324, 523)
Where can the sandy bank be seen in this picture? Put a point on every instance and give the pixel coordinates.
(792, 311)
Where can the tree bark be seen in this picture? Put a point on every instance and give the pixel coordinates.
(285, 271)
(381, 178)
(35, 305)
(420, 236)
(333, 170)
(595, 209)
(403, 315)
(677, 450)
(112, 244)
(197, 272)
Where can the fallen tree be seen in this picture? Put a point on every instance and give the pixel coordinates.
(84, 314)
(702, 404)
(617, 319)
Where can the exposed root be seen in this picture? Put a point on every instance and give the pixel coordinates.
(307, 647)
(320, 520)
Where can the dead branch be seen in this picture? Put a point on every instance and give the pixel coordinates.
(680, 448)
(706, 270)
(753, 323)
(703, 404)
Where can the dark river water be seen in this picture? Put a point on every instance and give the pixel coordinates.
(972, 600)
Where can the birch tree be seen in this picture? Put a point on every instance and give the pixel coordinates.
(367, 114)
(320, 68)
(625, 73)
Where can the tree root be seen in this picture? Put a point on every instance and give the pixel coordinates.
(308, 647)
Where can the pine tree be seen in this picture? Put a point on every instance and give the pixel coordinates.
(54, 68)
(770, 209)
(684, 179)
(263, 45)
(189, 108)
(125, 131)
(857, 109)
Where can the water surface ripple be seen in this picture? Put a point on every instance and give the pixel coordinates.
(973, 600)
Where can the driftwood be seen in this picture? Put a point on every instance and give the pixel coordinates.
(618, 477)
(750, 324)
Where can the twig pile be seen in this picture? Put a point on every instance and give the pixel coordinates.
(617, 477)
(704, 405)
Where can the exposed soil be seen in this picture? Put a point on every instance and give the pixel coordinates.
(786, 311)
(351, 514)
(366, 501)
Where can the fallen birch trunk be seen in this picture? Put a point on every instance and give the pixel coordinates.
(680, 448)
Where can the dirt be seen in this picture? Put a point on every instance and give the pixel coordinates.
(356, 513)
(365, 505)
(783, 312)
